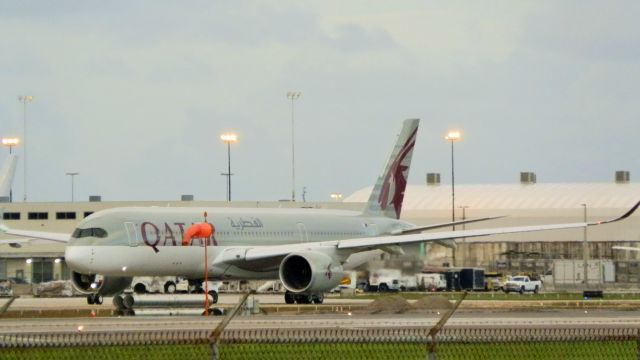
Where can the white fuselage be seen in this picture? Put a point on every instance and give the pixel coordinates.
(148, 241)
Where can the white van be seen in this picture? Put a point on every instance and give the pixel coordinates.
(433, 282)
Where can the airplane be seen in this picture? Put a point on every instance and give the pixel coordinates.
(625, 248)
(308, 250)
(6, 176)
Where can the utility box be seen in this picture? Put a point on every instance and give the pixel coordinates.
(433, 178)
(622, 177)
(527, 177)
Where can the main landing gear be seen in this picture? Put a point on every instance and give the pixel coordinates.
(94, 299)
(291, 298)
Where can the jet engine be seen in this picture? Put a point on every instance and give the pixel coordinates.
(98, 284)
(310, 272)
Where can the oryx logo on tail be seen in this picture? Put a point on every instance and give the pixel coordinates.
(388, 193)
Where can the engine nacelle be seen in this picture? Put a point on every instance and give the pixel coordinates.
(98, 284)
(310, 272)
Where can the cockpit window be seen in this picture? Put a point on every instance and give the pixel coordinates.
(95, 232)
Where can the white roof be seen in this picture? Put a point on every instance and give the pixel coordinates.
(516, 196)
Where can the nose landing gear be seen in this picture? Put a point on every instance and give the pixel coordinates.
(94, 299)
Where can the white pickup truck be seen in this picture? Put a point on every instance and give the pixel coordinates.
(521, 284)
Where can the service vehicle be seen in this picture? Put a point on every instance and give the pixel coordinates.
(521, 284)
(384, 280)
(432, 282)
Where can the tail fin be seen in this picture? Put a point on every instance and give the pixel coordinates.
(6, 177)
(388, 192)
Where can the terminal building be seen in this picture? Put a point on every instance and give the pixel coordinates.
(557, 254)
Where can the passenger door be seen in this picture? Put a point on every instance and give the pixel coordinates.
(131, 233)
(304, 236)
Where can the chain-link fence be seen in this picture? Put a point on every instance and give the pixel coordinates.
(330, 343)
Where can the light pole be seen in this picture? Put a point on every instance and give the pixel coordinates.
(10, 143)
(336, 196)
(228, 139)
(293, 96)
(453, 136)
(585, 249)
(25, 99)
(72, 174)
(465, 250)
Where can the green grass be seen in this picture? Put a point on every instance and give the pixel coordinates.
(373, 351)
(499, 295)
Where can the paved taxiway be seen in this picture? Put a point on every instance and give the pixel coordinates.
(33, 303)
(558, 318)
(29, 303)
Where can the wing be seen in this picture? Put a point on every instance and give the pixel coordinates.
(418, 229)
(42, 235)
(380, 242)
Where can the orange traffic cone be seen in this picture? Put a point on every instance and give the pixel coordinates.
(92, 314)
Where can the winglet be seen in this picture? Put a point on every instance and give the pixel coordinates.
(626, 215)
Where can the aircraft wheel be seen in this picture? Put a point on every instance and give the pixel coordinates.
(214, 296)
(140, 289)
(170, 288)
(97, 299)
(90, 299)
(289, 298)
(304, 298)
(318, 299)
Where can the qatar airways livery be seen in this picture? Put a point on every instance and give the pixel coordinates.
(309, 250)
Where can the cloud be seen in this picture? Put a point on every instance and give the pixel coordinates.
(134, 95)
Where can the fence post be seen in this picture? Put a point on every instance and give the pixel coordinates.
(214, 337)
(431, 346)
(638, 343)
(6, 305)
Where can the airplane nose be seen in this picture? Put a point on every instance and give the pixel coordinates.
(79, 258)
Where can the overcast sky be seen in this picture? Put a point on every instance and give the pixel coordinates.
(134, 94)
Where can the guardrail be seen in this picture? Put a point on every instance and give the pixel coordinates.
(334, 335)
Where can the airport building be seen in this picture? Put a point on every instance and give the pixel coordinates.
(558, 253)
